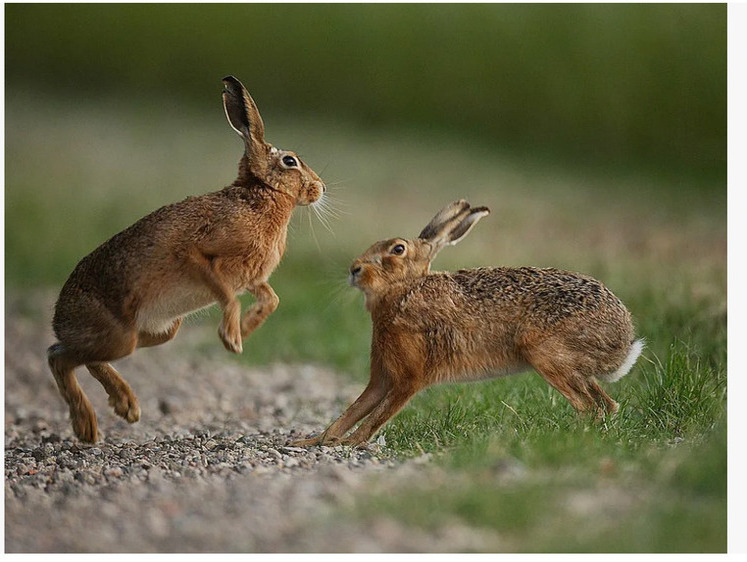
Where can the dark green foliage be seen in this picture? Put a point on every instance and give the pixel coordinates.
(604, 83)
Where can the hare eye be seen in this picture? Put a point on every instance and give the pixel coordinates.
(290, 162)
(398, 249)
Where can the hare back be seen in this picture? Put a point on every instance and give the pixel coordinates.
(142, 275)
(546, 295)
(517, 296)
(495, 321)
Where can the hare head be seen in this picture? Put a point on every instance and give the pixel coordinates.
(279, 170)
(397, 260)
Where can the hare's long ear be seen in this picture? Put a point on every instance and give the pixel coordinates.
(243, 115)
(451, 224)
(463, 228)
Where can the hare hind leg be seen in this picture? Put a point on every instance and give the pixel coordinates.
(82, 416)
(92, 336)
(146, 339)
(581, 391)
(605, 404)
(558, 365)
(121, 396)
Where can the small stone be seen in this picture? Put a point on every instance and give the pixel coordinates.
(113, 472)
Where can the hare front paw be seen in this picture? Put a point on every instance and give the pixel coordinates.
(230, 335)
(229, 330)
(354, 442)
(253, 319)
(312, 441)
(321, 439)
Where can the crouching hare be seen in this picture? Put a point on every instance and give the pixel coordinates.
(479, 323)
(134, 289)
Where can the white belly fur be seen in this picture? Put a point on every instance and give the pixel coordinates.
(158, 315)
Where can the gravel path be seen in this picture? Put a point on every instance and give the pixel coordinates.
(207, 469)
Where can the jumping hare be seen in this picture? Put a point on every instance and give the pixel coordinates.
(478, 323)
(134, 289)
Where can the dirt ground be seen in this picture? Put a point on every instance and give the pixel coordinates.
(206, 469)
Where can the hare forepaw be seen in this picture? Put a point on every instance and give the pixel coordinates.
(321, 439)
(310, 442)
(353, 441)
(230, 335)
(253, 319)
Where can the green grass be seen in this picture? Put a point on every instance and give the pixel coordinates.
(520, 463)
(511, 456)
(573, 488)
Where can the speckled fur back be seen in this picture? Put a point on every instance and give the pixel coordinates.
(547, 295)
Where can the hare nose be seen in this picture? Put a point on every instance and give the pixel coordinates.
(355, 269)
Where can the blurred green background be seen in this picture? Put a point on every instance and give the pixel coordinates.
(611, 83)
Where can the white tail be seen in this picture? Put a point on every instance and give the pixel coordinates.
(635, 351)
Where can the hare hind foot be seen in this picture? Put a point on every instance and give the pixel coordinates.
(121, 396)
(84, 421)
(126, 407)
(82, 416)
(321, 440)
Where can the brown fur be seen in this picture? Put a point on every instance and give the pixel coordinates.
(478, 323)
(134, 289)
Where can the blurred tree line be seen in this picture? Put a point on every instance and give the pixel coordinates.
(606, 83)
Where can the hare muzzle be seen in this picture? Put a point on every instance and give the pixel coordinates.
(355, 271)
(314, 193)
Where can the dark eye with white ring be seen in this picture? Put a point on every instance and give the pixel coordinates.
(398, 249)
(290, 162)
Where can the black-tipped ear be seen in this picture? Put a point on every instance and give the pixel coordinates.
(242, 112)
(436, 228)
(451, 224)
(462, 229)
(233, 104)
